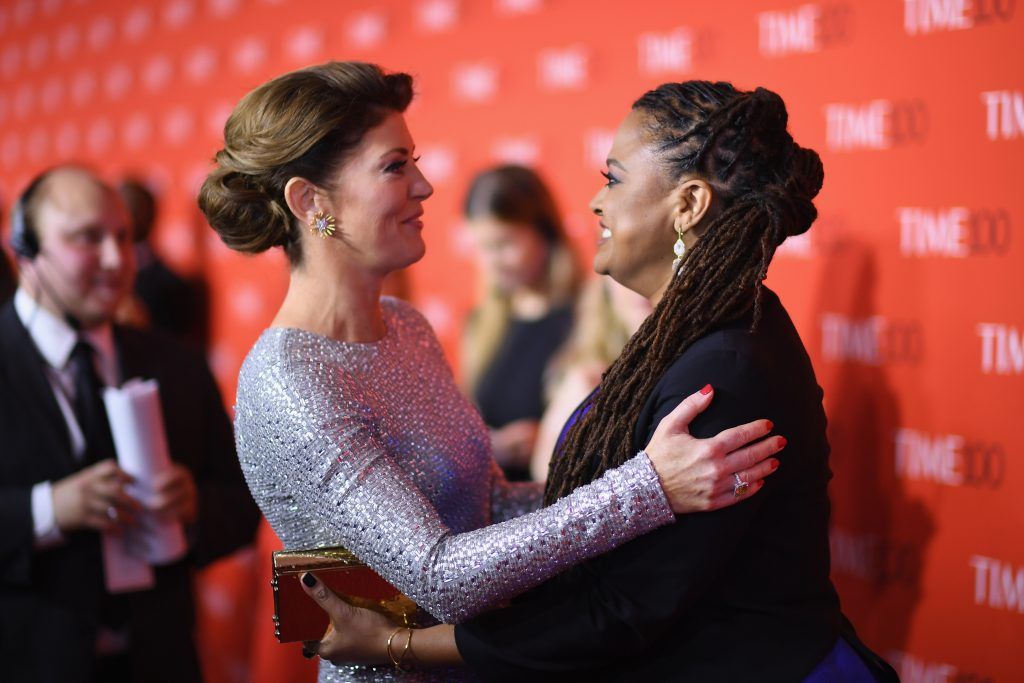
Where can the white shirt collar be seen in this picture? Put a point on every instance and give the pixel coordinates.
(55, 338)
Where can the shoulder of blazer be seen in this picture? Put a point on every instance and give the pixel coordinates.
(728, 353)
(734, 338)
(12, 332)
(12, 339)
(23, 380)
(18, 353)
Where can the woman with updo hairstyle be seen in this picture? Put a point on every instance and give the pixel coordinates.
(348, 423)
(301, 125)
(704, 182)
(530, 280)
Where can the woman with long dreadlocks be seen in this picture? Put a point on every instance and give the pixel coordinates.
(704, 182)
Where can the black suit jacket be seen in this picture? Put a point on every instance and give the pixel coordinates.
(741, 594)
(49, 599)
(8, 282)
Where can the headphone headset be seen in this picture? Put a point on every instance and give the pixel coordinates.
(25, 241)
(24, 238)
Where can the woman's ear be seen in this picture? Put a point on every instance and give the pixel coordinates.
(693, 200)
(301, 197)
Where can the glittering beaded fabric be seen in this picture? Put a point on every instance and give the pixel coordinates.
(372, 446)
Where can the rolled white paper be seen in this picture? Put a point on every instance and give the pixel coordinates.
(123, 570)
(137, 425)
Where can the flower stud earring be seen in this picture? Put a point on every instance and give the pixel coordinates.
(680, 250)
(322, 224)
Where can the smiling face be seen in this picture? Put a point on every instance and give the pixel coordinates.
(376, 197)
(85, 265)
(636, 208)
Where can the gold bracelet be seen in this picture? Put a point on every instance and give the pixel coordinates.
(405, 651)
(391, 656)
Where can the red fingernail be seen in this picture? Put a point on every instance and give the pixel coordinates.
(771, 425)
(782, 442)
(706, 390)
(774, 464)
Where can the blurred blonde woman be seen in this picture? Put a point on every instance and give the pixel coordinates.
(606, 317)
(530, 282)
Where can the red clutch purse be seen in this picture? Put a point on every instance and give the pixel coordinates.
(298, 617)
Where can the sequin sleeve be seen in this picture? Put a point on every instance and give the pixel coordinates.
(333, 462)
(508, 499)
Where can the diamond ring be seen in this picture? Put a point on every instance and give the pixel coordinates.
(741, 487)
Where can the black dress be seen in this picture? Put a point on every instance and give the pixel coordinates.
(741, 594)
(512, 386)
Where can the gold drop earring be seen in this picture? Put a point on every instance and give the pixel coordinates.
(680, 250)
(322, 224)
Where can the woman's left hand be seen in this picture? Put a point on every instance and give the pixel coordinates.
(355, 636)
(700, 475)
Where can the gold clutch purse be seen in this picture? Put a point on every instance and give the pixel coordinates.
(298, 617)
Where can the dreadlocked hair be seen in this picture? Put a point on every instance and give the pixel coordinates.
(765, 183)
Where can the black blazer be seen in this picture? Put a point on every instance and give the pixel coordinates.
(49, 599)
(8, 282)
(741, 594)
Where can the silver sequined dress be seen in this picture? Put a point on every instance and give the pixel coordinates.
(373, 447)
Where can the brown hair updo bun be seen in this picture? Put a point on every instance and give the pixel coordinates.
(304, 124)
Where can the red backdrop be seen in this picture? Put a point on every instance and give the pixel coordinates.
(907, 290)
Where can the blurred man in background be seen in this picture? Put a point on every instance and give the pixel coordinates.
(61, 490)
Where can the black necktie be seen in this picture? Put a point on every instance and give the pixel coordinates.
(99, 445)
(89, 409)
